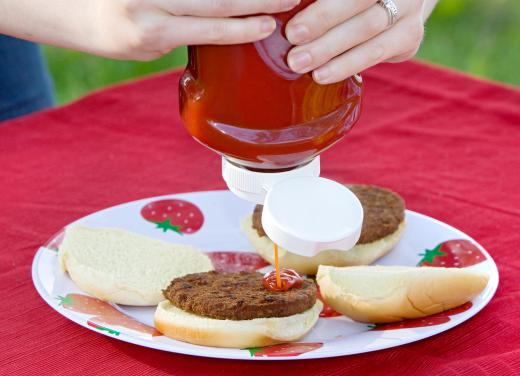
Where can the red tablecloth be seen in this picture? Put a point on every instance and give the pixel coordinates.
(448, 143)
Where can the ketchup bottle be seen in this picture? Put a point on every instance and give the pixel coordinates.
(244, 102)
(270, 124)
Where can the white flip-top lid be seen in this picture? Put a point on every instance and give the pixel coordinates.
(303, 213)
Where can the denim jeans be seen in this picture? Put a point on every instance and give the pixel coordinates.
(25, 83)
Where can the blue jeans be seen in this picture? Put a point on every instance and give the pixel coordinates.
(25, 83)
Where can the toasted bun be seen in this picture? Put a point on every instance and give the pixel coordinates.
(381, 294)
(361, 254)
(188, 327)
(125, 268)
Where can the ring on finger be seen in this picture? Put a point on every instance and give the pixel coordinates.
(391, 10)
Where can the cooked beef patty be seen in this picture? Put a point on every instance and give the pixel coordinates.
(383, 212)
(237, 296)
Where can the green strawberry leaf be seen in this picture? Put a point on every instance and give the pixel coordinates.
(166, 225)
(254, 350)
(430, 254)
(109, 331)
(65, 300)
(103, 329)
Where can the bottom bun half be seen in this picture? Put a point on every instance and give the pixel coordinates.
(361, 254)
(184, 326)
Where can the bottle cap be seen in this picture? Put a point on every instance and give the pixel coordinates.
(303, 213)
(253, 185)
(307, 215)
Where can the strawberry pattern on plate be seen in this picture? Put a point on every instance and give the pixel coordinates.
(284, 349)
(232, 261)
(457, 253)
(180, 216)
(103, 313)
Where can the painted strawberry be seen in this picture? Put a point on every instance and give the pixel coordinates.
(56, 240)
(236, 261)
(180, 216)
(87, 304)
(103, 313)
(284, 349)
(455, 311)
(457, 253)
(326, 311)
(412, 323)
(124, 322)
(437, 319)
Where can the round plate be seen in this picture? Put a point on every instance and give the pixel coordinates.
(210, 221)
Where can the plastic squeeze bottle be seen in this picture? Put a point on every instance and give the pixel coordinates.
(270, 124)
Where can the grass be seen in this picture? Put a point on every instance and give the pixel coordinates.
(75, 74)
(481, 38)
(477, 37)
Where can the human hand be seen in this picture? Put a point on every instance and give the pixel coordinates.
(336, 39)
(147, 29)
(139, 29)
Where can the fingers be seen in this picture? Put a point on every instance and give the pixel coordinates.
(195, 31)
(341, 38)
(321, 16)
(401, 40)
(225, 8)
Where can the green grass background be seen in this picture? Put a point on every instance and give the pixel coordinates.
(476, 36)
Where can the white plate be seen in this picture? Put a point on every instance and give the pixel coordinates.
(332, 336)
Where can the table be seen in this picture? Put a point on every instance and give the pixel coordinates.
(449, 143)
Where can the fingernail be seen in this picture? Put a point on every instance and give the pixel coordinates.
(322, 75)
(268, 25)
(289, 4)
(298, 33)
(300, 61)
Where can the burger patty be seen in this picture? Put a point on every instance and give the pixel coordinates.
(237, 296)
(383, 212)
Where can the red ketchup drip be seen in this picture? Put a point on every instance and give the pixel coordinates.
(289, 279)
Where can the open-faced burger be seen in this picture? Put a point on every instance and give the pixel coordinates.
(383, 225)
(235, 310)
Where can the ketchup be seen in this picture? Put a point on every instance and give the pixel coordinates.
(288, 279)
(244, 102)
(327, 311)
(281, 279)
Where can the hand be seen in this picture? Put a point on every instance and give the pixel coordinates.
(147, 29)
(336, 39)
(139, 29)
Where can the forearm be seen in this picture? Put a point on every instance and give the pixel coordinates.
(138, 30)
(65, 23)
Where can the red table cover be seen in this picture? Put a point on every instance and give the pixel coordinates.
(450, 144)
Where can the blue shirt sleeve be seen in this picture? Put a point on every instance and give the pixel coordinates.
(25, 83)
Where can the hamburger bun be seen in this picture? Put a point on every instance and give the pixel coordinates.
(361, 254)
(123, 267)
(381, 294)
(188, 327)
(383, 226)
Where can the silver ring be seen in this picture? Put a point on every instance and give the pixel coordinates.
(391, 10)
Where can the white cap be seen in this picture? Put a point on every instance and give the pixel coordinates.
(253, 185)
(303, 213)
(307, 215)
